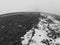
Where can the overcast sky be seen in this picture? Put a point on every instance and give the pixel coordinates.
(50, 6)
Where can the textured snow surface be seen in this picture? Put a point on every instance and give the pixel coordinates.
(39, 36)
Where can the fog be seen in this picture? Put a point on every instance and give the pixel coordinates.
(49, 6)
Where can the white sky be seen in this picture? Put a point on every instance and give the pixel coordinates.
(50, 6)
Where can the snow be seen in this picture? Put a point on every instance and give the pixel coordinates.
(40, 34)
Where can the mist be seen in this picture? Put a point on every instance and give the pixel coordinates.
(49, 6)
